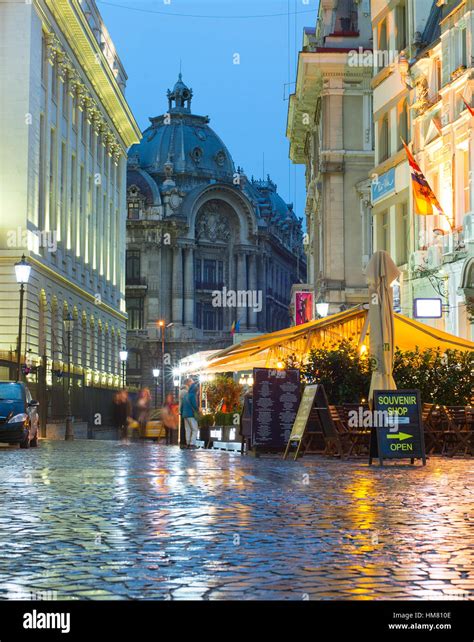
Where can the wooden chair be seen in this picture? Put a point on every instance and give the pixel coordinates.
(433, 428)
(458, 434)
(360, 436)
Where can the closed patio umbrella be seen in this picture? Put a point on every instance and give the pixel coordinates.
(381, 272)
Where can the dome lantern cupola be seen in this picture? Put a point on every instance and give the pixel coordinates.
(179, 100)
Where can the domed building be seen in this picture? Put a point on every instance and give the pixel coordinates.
(206, 247)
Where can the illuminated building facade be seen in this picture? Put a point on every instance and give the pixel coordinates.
(330, 132)
(64, 134)
(418, 96)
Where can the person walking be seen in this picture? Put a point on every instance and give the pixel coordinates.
(122, 411)
(143, 409)
(189, 410)
(170, 418)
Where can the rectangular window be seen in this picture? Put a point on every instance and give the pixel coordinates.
(386, 231)
(133, 210)
(74, 113)
(41, 217)
(83, 126)
(135, 311)
(65, 99)
(52, 164)
(132, 268)
(210, 273)
(401, 25)
(467, 182)
(197, 271)
(382, 53)
(91, 139)
(54, 83)
(44, 61)
(384, 140)
(438, 76)
(404, 234)
(463, 47)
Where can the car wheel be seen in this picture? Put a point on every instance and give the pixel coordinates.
(26, 442)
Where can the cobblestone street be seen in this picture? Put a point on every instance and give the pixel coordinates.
(104, 520)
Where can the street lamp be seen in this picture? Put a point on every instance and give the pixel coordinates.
(163, 325)
(22, 273)
(123, 354)
(322, 309)
(156, 374)
(68, 328)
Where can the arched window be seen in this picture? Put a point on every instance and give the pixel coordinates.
(84, 341)
(92, 356)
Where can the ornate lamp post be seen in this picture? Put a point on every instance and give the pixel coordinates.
(123, 354)
(163, 325)
(22, 273)
(68, 328)
(156, 374)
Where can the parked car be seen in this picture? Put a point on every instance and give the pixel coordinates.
(19, 418)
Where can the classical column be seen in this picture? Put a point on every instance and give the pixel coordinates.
(253, 287)
(177, 288)
(189, 286)
(241, 313)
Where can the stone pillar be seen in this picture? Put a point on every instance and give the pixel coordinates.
(189, 286)
(177, 287)
(241, 313)
(253, 287)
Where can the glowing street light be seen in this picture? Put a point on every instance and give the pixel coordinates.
(22, 273)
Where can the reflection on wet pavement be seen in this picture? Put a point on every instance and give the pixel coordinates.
(104, 520)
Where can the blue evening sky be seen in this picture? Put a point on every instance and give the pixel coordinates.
(247, 102)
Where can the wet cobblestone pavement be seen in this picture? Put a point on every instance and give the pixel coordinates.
(104, 520)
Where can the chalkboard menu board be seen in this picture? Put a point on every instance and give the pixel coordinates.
(398, 428)
(276, 397)
(314, 408)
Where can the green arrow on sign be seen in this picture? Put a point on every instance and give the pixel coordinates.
(401, 436)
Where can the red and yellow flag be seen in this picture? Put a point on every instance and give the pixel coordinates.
(423, 195)
(471, 110)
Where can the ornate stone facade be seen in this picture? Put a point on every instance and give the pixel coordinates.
(197, 230)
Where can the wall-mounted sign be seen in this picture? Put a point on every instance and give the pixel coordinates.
(383, 185)
(427, 308)
(304, 307)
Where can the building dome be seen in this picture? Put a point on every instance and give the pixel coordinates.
(181, 143)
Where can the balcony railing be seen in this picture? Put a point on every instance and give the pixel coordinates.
(135, 280)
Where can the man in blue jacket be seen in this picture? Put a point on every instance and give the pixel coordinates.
(189, 410)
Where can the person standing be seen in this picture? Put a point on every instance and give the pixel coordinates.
(170, 418)
(122, 411)
(189, 410)
(143, 409)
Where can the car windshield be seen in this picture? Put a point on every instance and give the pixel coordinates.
(11, 391)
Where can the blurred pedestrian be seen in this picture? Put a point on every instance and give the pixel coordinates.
(122, 410)
(170, 418)
(189, 411)
(143, 406)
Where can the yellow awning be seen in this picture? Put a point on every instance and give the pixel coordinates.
(267, 350)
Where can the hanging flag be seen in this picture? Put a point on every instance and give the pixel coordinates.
(437, 124)
(471, 110)
(235, 327)
(424, 196)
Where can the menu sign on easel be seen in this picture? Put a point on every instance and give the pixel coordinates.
(276, 397)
